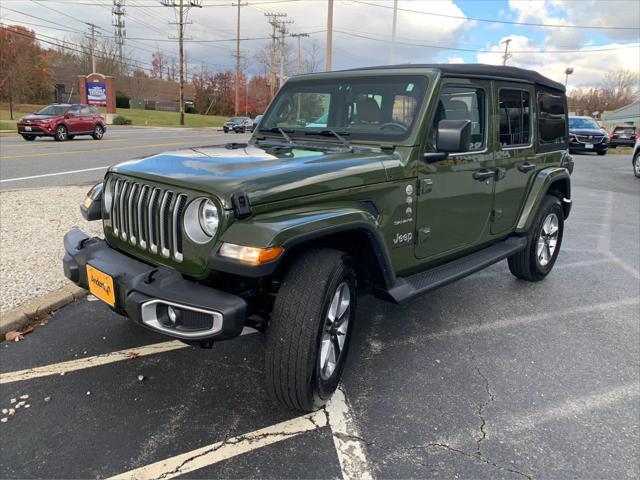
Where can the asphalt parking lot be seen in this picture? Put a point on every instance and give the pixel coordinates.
(45, 162)
(489, 377)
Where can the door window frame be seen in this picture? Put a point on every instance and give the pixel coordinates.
(445, 84)
(532, 95)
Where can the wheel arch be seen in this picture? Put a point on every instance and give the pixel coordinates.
(347, 229)
(555, 181)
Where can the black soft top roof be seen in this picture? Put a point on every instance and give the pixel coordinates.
(479, 70)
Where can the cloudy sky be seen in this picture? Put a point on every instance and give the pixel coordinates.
(428, 31)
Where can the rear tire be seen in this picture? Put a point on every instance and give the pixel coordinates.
(311, 325)
(636, 164)
(98, 132)
(543, 243)
(70, 137)
(61, 133)
(29, 138)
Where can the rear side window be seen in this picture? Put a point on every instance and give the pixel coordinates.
(463, 103)
(552, 120)
(84, 110)
(515, 117)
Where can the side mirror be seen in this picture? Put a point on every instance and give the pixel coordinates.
(91, 207)
(454, 136)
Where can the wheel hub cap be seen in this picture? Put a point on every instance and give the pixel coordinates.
(335, 330)
(548, 239)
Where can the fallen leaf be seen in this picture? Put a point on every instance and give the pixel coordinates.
(132, 354)
(26, 331)
(13, 336)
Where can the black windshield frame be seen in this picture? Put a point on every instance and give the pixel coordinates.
(342, 92)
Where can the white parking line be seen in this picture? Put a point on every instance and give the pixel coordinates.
(229, 448)
(97, 360)
(17, 179)
(346, 438)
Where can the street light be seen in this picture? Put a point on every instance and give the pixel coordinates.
(567, 71)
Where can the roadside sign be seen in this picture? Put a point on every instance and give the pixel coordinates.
(96, 93)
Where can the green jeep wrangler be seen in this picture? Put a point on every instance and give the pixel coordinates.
(394, 180)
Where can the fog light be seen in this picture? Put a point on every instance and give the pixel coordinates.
(172, 314)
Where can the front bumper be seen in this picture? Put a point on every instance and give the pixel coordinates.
(36, 130)
(141, 289)
(582, 147)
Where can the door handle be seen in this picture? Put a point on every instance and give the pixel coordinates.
(526, 167)
(484, 174)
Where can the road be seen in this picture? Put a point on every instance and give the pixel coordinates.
(489, 377)
(45, 162)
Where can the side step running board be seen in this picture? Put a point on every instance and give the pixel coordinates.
(406, 288)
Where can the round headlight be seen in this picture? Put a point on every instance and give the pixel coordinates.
(201, 220)
(209, 219)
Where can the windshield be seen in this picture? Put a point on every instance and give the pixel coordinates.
(236, 119)
(368, 108)
(583, 123)
(53, 110)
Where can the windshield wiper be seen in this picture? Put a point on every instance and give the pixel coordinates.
(328, 133)
(284, 133)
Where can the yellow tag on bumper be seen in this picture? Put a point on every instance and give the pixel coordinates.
(101, 285)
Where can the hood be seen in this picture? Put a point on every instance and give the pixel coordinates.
(36, 117)
(263, 175)
(587, 131)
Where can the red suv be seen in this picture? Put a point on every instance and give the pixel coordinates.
(63, 121)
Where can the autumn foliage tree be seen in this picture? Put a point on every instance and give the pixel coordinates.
(619, 88)
(24, 76)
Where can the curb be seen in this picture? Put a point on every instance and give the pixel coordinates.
(36, 309)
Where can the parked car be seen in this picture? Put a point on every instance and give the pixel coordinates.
(256, 122)
(624, 136)
(236, 124)
(63, 122)
(409, 186)
(585, 135)
(636, 158)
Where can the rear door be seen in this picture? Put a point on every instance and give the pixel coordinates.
(87, 118)
(515, 153)
(454, 201)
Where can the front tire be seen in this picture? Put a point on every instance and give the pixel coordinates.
(602, 153)
(311, 324)
(98, 132)
(61, 133)
(543, 243)
(636, 164)
(29, 138)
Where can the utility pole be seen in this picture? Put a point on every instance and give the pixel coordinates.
(506, 55)
(118, 22)
(92, 40)
(392, 59)
(274, 21)
(237, 103)
(299, 37)
(181, 8)
(283, 32)
(329, 36)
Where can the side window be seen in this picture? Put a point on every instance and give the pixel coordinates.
(85, 111)
(515, 117)
(552, 120)
(463, 103)
(93, 111)
(75, 110)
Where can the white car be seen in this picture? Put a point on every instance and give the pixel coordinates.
(636, 158)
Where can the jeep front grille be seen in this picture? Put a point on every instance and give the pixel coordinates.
(148, 217)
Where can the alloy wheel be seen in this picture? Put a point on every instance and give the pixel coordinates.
(548, 239)
(334, 332)
(61, 133)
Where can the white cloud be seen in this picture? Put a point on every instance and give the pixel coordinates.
(590, 67)
(455, 60)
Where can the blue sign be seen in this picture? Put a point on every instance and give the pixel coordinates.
(96, 93)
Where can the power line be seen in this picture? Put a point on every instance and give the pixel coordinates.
(507, 22)
(472, 50)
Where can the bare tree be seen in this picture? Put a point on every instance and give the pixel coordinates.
(313, 58)
(619, 88)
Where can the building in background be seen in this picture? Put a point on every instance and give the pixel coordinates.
(627, 115)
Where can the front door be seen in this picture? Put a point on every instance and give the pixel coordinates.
(455, 195)
(515, 154)
(73, 119)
